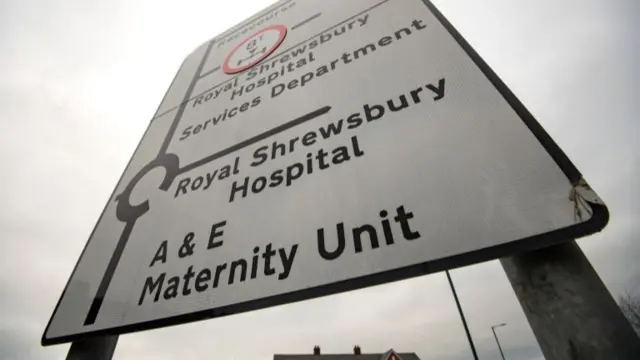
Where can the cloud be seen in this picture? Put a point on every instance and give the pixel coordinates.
(81, 80)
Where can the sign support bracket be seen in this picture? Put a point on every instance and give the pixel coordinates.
(571, 312)
(96, 348)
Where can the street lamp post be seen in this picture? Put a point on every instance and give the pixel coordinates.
(493, 328)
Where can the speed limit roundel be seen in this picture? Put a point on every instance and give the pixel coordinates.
(254, 49)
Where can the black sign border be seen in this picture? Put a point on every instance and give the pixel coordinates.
(596, 223)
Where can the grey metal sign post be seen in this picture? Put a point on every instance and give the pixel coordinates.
(568, 307)
(318, 147)
(96, 348)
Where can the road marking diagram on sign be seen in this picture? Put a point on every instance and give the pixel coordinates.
(129, 214)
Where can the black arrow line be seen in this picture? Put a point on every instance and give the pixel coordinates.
(210, 72)
(108, 274)
(276, 130)
(183, 105)
(306, 21)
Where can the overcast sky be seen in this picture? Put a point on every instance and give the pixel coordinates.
(80, 81)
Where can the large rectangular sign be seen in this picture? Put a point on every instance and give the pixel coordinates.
(318, 147)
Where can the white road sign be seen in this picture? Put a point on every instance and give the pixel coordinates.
(318, 147)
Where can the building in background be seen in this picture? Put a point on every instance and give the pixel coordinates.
(356, 355)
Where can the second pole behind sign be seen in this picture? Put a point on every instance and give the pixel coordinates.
(464, 320)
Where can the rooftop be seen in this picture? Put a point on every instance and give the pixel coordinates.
(356, 355)
(404, 356)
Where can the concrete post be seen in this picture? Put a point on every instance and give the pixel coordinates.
(98, 348)
(571, 312)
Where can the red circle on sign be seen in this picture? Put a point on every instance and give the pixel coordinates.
(282, 30)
